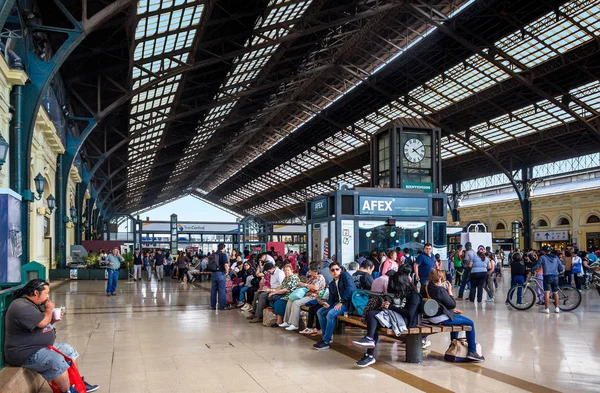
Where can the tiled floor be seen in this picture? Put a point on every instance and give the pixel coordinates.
(163, 337)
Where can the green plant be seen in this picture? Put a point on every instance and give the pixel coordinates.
(92, 259)
(128, 260)
(57, 259)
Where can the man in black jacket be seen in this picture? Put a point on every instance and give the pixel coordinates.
(518, 273)
(340, 298)
(138, 262)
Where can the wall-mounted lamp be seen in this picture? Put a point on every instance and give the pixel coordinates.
(3, 151)
(40, 183)
(73, 219)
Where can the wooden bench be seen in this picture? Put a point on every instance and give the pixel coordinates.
(201, 274)
(414, 336)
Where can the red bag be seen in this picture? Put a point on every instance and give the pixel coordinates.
(74, 376)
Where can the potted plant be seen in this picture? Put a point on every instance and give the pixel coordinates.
(127, 266)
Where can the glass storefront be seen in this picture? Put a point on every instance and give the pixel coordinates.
(377, 235)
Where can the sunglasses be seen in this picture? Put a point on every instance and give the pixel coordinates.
(336, 269)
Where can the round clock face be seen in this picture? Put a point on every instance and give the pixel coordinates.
(414, 150)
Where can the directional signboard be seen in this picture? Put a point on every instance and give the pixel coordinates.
(549, 236)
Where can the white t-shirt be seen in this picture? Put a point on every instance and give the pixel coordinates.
(277, 278)
(270, 259)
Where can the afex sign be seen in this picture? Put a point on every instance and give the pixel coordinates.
(389, 206)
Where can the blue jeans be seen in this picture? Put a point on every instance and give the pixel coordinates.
(243, 293)
(460, 320)
(113, 276)
(465, 282)
(218, 284)
(517, 280)
(327, 320)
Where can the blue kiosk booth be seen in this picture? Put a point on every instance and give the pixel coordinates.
(404, 208)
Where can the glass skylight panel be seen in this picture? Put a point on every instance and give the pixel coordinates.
(547, 37)
(153, 106)
(246, 68)
(461, 82)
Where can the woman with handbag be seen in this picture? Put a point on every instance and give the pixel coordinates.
(403, 299)
(448, 314)
(312, 287)
(279, 297)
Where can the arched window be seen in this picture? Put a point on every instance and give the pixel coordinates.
(541, 223)
(593, 219)
(563, 221)
(500, 226)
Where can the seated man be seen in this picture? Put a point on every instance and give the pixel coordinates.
(340, 297)
(29, 331)
(363, 278)
(192, 270)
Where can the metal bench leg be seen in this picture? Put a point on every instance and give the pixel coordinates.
(414, 348)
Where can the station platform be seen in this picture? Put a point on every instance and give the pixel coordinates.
(163, 337)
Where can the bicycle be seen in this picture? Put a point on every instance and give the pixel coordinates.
(569, 297)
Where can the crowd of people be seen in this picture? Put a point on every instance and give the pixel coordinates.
(271, 289)
(275, 287)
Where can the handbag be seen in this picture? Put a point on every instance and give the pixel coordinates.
(269, 317)
(298, 294)
(74, 376)
(459, 350)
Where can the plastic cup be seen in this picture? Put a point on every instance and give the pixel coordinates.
(346, 314)
(56, 314)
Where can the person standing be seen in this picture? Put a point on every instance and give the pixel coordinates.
(479, 268)
(518, 274)
(113, 261)
(468, 259)
(218, 265)
(423, 265)
(148, 265)
(159, 265)
(137, 265)
(552, 268)
(457, 260)
(182, 264)
(490, 278)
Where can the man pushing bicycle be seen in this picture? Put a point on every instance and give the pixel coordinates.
(552, 267)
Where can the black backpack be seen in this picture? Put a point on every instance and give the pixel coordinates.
(213, 263)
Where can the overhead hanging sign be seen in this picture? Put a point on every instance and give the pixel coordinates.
(389, 206)
(542, 236)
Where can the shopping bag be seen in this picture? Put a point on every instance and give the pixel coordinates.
(458, 351)
(74, 376)
(269, 317)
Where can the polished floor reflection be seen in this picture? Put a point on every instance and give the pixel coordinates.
(163, 337)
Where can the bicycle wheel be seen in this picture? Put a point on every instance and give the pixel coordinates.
(569, 298)
(528, 297)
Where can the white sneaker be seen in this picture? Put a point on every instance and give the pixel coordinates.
(557, 310)
(284, 325)
(291, 327)
(545, 311)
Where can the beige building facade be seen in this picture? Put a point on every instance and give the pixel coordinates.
(557, 220)
(46, 146)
